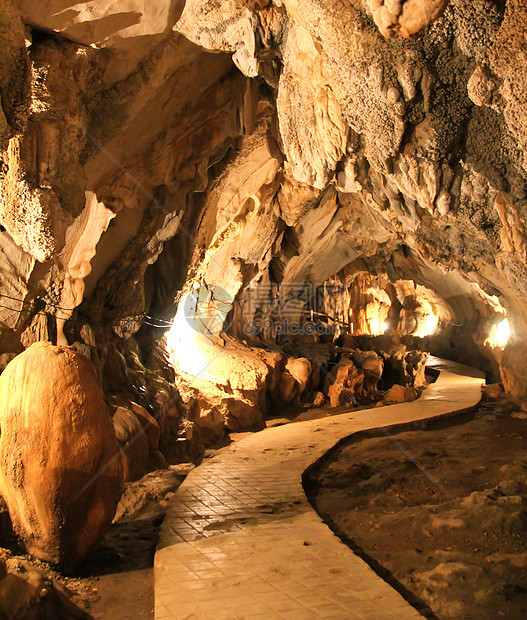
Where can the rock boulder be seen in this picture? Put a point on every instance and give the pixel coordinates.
(59, 471)
(400, 394)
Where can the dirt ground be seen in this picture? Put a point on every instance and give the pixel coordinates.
(440, 512)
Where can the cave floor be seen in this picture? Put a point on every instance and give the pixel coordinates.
(459, 546)
(241, 540)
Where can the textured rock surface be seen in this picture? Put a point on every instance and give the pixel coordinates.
(405, 17)
(28, 593)
(399, 394)
(138, 436)
(59, 468)
(271, 149)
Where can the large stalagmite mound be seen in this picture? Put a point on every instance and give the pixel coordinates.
(59, 468)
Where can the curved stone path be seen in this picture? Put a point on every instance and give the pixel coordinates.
(240, 539)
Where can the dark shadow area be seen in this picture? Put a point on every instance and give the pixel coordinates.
(21, 599)
(129, 545)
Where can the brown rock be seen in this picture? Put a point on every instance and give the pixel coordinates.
(348, 380)
(336, 395)
(513, 367)
(28, 593)
(287, 389)
(300, 370)
(134, 444)
(417, 360)
(275, 364)
(293, 382)
(372, 366)
(149, 424)
(349, 341)
(188, 446)
(400, 394)
(211, 422)
(59, 473)
(318, 399)
(492, 391)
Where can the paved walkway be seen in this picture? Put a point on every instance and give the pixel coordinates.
(240, 539)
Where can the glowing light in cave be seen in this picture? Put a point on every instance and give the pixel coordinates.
(428, 327)
(192, 341)
(499, 335)
(428, 322)
(190, 350)
(377, 327)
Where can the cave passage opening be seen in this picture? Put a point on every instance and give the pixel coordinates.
(353, 308)
(257, 350)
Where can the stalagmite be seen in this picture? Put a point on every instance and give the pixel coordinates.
(60, 471)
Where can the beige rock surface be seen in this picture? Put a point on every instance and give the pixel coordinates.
(59, 470)
(399, 394)
(405, 17)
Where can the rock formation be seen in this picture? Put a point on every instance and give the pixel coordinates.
(348, 167)
(28, 593)
(60, 470)
(138, 436)
(407, 17)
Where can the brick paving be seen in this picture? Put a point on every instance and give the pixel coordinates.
(240, 539)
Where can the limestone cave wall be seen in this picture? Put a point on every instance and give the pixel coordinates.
(259, 148)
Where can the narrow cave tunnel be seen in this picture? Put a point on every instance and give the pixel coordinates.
(263, 309)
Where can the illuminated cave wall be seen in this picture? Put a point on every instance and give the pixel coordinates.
(260, 146)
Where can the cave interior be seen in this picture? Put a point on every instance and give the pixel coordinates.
(220, 216)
